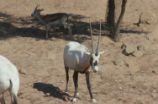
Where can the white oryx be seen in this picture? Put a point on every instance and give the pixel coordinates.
(49, 20)
(9, 80)
(79, 58)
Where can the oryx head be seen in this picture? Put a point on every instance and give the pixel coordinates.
(95, 53)
(36, 11)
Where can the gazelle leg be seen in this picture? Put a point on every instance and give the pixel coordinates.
(47, 30)
(75, 79)
(70, 31)
(68, 27)
(89, 87)
(67, 78)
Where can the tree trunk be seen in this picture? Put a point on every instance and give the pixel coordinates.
(117, 27)
(111, 16)
(114, 9)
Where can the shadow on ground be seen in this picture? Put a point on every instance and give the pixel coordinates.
(50, 90)
(26, 27)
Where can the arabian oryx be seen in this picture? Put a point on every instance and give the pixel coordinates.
(9, 80)
(50, 20)
(79, 58)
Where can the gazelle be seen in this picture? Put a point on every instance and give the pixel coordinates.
(79, 58)
(57, 19)
(9, 80)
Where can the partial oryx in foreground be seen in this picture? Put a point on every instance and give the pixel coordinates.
(79, 58)
(50, 20)
(9, 80)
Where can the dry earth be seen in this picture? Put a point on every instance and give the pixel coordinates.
(126, 76)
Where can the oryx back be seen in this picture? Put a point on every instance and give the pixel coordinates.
(8, 72)
(75, 57)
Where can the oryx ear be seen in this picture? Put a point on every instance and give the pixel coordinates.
(88, 52)
(101, 52)
(41, 10)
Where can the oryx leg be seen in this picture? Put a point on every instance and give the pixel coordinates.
(75, 79)
(89, 87)
(67, 78)
(13, 99)
(2, 100)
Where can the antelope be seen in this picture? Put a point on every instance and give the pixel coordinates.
(79, 58)
(9, 80)
(49, 20)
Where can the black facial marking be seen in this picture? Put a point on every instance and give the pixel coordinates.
(96, 54)
(91, 61)
(95, 63)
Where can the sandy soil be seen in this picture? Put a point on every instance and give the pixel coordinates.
(121, 79)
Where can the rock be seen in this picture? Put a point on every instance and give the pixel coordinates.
(138, 54)
(119, 62)
(140, 48)
(128, 49)
(153, 71)
(140, 51)
(22, 72)
(154, 95)
(133, 50)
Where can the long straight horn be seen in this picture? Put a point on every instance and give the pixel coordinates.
(99, 38)
(92, 42)
(36, 8)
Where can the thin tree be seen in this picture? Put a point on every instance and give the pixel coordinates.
(111, 16)
(114, 28)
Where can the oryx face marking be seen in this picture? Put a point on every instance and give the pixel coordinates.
(94, 61)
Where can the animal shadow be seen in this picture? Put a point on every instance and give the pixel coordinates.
(51, 90)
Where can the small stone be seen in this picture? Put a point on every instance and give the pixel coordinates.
(153, 71)
(128, 49)
(154, 95)
(138, 54)
(119, 62)
(154, 91)
(47, 94)
(22, 72)
(120, 88)
(140, 48)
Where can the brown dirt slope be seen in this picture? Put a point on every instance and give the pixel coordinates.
(129, 78)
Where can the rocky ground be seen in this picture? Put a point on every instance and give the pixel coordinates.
(128, 69)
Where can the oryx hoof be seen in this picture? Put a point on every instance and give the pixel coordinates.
(77, 94)
(66, 92)
(94, 101)
(74, 100)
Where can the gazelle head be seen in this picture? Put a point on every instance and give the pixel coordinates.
(95, 53)
(36, 11)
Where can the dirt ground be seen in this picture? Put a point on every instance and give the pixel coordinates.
(122, 78)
